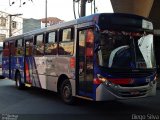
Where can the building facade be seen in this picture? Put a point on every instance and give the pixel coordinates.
(50, 21)
(31, 24)
(10, 25)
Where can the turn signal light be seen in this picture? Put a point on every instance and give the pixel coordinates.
(72, 62)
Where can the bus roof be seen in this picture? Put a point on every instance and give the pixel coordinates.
(81, 20)
(57, 26)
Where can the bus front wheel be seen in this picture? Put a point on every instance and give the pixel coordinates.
(66, 92)
(19, 83)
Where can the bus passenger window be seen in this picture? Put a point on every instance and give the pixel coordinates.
(29, 45)
(66, 43)
(52, 37)
(6, 45)
(12, 48)
(19, 47)
(5, 49)
(20, 43)
(51, 45)
(39, 45)
(66, 35)
(39, 39)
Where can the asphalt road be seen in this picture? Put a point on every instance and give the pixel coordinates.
(36, 104)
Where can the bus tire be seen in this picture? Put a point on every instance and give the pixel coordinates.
(66, 92)
(19, 83)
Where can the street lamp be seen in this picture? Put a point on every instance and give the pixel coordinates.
(10, 22)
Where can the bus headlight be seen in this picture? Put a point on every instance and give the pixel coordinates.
(105, 80)
(101, 78)
(155, 79)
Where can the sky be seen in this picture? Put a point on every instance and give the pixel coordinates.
(62, 9)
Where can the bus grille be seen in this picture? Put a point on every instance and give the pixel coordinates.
(134, 85)
(133, 75)
(133, 93)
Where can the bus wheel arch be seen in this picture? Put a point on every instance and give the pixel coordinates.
(60, 81)
(65, 89)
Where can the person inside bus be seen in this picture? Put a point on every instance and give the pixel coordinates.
(115, 51)
(120, 56)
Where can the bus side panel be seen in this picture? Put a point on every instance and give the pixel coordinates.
(31, 71)
(45, 71)
(5, 66)
(48, 70)
(35, 72)
(12, 68)
(65, 66)
(39, 71)
(17, 63)
(51, 75)
(5, 61)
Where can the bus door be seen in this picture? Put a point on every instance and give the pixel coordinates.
(11, 55)
(84, 62)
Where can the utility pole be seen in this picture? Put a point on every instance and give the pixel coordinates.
(10, 23)
(94, 6)
(46, 14)
(10, 27)
(83, 7)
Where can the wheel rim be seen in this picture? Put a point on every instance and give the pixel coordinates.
(67, 92)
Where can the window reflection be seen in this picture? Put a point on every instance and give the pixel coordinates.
(66, 43)
(51, 45)
(19, 47)
(39, 45)
(66, 48)
(145, 45)
(29, 46)
(126, 50)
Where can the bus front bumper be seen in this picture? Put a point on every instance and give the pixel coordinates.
(112, 92)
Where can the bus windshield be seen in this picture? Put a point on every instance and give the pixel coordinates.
(126, 50)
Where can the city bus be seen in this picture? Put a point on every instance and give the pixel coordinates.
(101, 57)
